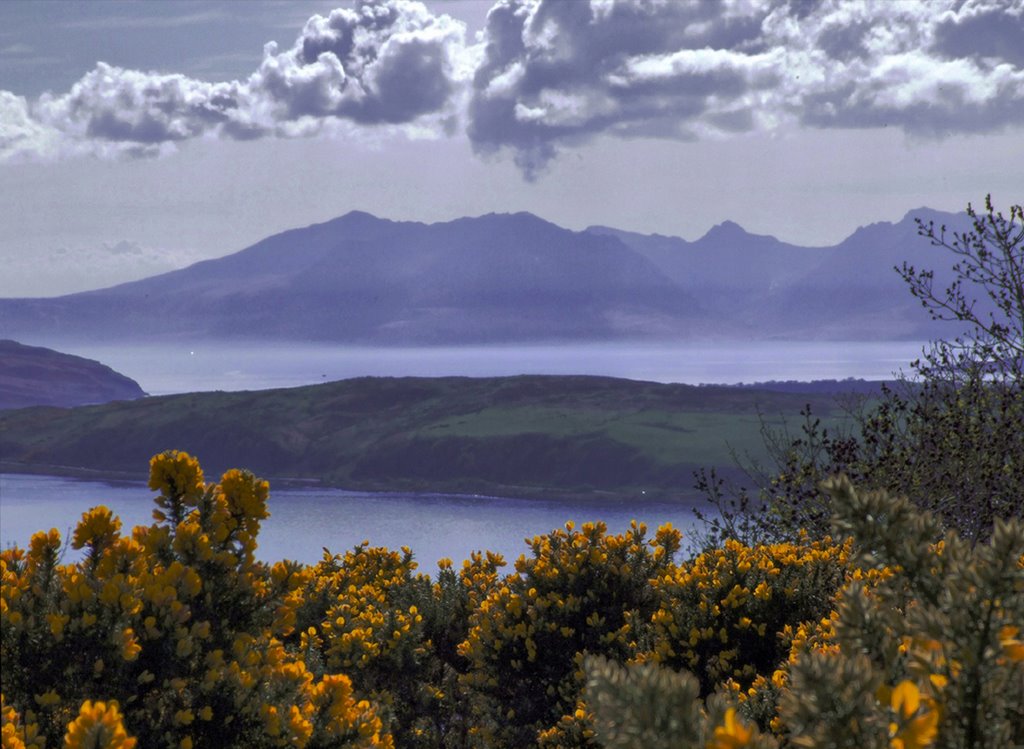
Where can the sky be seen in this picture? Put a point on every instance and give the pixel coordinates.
(139, 137)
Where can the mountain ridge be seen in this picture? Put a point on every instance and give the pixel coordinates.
(501, 277)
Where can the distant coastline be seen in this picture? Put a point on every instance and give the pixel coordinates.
(526, 436)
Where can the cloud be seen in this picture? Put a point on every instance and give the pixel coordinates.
(932, 69)
(21, 136)
(555, 74)
(114, 105)
(983, 29)
(388, 63)
(548, 75)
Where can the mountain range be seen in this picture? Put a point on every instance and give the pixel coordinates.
(509, 278)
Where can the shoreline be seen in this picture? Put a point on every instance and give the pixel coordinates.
(688, 499)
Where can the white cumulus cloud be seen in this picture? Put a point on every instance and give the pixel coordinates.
(556, 73)
(386, 63)
(548, 75)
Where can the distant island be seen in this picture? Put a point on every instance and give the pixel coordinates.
(508, 278)
(36, 376)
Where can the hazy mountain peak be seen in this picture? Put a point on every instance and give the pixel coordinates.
(908, 222)
(359, 218)
(899, 230)
(726, 231)
(519, 218)
(930, 214)
(507, 277)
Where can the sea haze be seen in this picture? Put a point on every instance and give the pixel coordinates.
(163, 369)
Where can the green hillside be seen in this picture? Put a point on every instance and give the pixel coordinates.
(518, 436)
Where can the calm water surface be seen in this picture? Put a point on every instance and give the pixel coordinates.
(182, 367)
(305, 520)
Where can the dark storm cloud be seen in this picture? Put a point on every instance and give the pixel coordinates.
(556, 74)
(548, 75)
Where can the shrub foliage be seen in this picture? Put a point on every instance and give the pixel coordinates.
(886, 634)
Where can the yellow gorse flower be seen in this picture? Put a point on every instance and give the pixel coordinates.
(14, 734)
(732, 734)
(98, 726)
(1009, 638)
(97, 528)
(916, 723)
(174, 472)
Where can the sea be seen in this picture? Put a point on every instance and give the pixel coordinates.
(185, 367)
(305, 520)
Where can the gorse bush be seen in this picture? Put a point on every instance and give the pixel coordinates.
(175, 635)
(923, 649)
(581, 591)
(725, 614)
(176, 629)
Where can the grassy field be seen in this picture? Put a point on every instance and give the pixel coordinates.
(664, 436)
(521, 436)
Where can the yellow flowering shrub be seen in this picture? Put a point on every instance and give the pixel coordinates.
(361, 615)
(444, 715)
(580, 591)
(174, 636)
(16, 733)
(175, 632)
(922, 650)
(929, 644)
(724, 614)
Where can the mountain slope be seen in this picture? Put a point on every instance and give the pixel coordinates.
(726, 257)
(363, 279)
(35, 376)
(768, 287)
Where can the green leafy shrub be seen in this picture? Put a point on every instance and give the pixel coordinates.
(947, 436)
